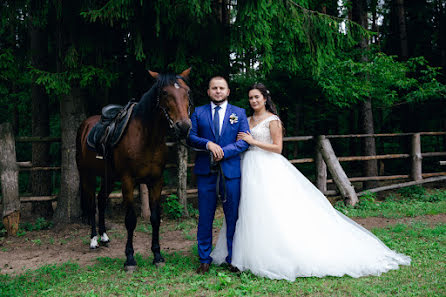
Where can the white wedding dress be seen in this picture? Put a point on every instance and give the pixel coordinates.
(287, 228)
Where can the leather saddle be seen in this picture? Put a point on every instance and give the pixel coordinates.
(106, 134)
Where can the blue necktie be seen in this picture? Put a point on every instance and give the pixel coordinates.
(216, 123)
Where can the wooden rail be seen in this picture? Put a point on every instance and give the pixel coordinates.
(416, 156)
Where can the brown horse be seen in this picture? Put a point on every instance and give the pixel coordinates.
(139, 157)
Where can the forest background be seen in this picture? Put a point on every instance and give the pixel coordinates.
(333, 67)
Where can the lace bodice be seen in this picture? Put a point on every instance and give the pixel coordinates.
(261, 131)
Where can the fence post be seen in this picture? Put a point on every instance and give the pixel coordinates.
(321, 171)
(416, 173)
(9, 174)
(182, 177)
(339, 176)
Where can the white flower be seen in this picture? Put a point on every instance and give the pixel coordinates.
(233, 118)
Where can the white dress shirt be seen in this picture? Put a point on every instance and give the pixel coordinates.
(221, 112)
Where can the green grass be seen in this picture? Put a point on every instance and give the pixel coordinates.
(406, 204)
(425, 277)
(425, 244)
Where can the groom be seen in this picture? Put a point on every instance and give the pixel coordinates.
(214, 132)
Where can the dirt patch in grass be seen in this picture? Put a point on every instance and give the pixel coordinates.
(71, 242)
(376, 222)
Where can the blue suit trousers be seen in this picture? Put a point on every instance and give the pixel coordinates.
(207, 203)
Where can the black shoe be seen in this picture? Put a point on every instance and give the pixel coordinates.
(233, 269)
(203, 268)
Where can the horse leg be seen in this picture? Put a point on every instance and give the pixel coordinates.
(155, 219)
(105, 191)
(88, 186)
(130, 221)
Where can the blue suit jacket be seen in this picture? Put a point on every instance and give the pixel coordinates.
(202, 132)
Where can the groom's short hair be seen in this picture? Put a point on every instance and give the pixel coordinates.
(217, 77)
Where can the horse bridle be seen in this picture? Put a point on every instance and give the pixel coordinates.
(217, 166)
(163, 109)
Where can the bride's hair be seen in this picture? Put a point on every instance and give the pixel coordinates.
(270, 106)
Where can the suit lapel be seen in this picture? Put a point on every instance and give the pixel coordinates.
(226, 118)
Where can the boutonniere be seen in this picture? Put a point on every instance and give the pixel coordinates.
(233, 118)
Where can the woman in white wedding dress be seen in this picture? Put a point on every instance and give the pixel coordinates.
(286, 227)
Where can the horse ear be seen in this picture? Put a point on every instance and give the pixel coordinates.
(154, 74)
(186, 72)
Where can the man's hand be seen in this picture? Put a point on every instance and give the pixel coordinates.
(216, 150)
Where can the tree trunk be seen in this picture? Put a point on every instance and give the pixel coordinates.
(375, 27)
(440, 20)
(71, 116)
(9, 176)
(40, 180)
(221, 12)
(369, 148)
(359, 15)
(402, 29)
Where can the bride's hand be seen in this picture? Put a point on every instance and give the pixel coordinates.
(245, 136)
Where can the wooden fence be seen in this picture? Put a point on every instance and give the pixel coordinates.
(416, 157)
(182, 164)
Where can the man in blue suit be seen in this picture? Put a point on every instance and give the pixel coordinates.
(214, 131)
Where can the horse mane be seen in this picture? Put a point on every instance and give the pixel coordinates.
(147, 105)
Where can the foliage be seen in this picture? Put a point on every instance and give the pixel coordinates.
(411, 191)
(172, 207)
(307, 58)
(429, 203)
(388, 80)
(294, 38)
(424, 244)
(60, 83)
(39, 224)
(14, 85)
(193, 212)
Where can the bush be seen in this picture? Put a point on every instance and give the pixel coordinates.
(40, 224)
(367, 201)
(193, 212)
(412, 191)
(172, 207)
(435, 196)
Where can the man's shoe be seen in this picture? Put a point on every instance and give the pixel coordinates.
(203, 268)
(233, 269)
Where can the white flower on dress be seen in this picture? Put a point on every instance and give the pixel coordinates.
(233, 118)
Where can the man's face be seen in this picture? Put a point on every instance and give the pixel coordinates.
(218, 90)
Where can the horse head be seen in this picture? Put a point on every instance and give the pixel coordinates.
(175, 103)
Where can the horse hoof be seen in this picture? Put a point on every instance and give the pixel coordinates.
(104, 239)
(104, 243)
(130, 268)
(94, 243)
(160, 264)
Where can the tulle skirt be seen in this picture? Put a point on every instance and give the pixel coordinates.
(287, 228)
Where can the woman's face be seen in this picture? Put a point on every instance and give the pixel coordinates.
(256, 100)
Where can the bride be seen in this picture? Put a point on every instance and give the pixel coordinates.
(286, 226)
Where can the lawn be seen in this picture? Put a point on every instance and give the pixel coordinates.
(424, 243)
